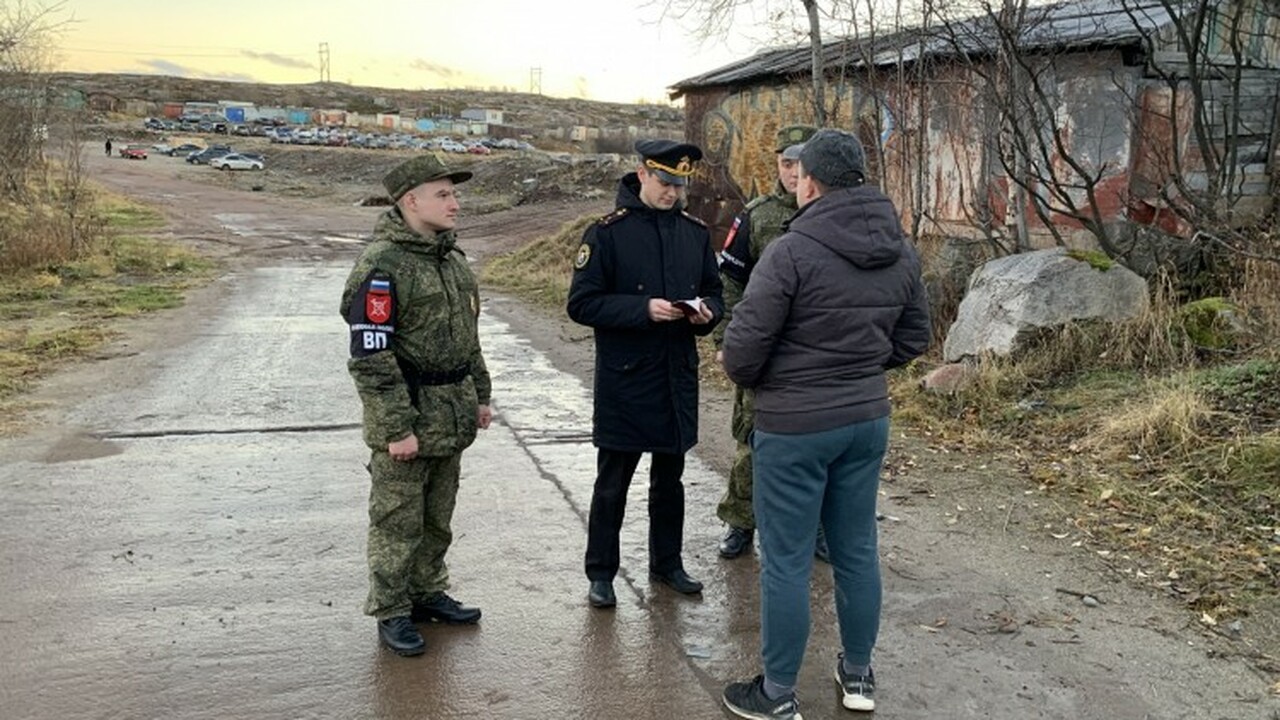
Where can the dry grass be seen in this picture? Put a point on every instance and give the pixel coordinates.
(540, 271)
(1155, 449)
(1169, 420)
(57, 305)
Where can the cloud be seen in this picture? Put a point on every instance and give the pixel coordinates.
(231, 77)
(441, 71)
(161, 66)
(164, 67)
(280, 60)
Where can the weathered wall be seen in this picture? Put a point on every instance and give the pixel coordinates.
(957, 183)
(737, 133)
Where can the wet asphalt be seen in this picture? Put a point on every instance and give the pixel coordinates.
(195, 549)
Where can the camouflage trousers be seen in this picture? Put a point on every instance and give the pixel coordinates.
(410, 508)
(735, 506)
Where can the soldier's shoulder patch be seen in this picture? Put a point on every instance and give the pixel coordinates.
(612, 217)
(693, 218)
(583, 257)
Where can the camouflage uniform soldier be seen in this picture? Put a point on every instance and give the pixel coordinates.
(756, 226)
(412, 304)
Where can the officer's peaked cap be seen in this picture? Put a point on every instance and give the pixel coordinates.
(670, 160)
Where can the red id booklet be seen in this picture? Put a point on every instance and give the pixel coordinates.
(689, 307)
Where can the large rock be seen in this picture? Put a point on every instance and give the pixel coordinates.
(1012, 295)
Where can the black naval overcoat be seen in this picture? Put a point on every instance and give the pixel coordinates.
(646, 372)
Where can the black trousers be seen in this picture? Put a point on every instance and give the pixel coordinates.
(609, 504)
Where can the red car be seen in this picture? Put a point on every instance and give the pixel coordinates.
(134, 152)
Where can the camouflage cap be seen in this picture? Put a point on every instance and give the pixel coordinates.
(794, 135)
(422, 169)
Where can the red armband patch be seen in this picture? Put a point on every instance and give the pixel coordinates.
(733, 230)
(377, 302)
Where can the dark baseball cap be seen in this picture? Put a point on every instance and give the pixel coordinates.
(670, 160)
(422, 169)
(835, 158)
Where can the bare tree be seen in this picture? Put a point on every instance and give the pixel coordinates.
(1215, 61)
(26, 35)
(714, 17)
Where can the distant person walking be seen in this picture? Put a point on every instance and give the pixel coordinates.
(412, 304)
(108, 147)
(633, 267)
(831, 305)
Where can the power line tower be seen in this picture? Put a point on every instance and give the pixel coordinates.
(535, 80)
(325, 76)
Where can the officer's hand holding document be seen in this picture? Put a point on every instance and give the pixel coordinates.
(697, 311)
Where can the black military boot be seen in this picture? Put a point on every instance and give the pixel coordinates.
(441, 608)
(400, 636)
(736, 542)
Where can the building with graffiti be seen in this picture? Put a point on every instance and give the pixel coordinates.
(1071, 123)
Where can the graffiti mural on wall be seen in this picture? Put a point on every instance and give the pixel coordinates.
(739, 133)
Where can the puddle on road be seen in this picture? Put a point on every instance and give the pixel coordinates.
(72, 448)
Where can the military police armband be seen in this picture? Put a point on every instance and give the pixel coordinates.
(372, 316)
(735, 259)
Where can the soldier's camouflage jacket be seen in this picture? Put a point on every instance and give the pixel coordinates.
(412, 304)
(759, 223)
(755, 227)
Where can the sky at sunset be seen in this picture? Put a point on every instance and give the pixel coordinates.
(598, 49)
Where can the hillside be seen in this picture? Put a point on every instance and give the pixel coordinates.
(521, 109)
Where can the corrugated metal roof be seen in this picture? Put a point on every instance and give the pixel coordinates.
(1070, 24)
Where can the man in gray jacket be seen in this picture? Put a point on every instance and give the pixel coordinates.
(831, 305)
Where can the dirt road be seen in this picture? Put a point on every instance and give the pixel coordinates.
(182, 534)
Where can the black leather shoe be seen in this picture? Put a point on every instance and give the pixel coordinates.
(736, 542)
(400, 636)
(601, 594)
(443, 609)
(678, 580)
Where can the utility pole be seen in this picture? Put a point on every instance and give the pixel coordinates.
(324, 62)
(535, 80)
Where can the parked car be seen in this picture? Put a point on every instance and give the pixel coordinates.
(134, 152)
(204, 156)
(451, 146)
(236, 161)
(478, 149)
(184, 150)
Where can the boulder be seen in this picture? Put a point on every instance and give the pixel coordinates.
(1011, 296)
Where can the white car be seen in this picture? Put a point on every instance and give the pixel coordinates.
(235, 161)
(451, 146)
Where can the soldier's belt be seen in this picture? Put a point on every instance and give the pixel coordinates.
(449, 377)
